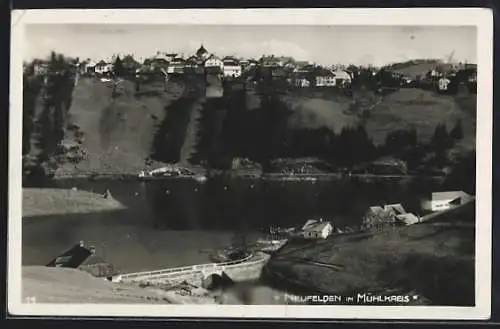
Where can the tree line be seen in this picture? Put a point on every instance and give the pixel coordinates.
(48, 98)
(263, 135)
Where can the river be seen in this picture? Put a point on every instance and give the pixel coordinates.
(179, 222)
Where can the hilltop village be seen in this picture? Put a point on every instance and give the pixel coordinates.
(298, 73)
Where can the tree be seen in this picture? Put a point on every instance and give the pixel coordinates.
(441, 136)
(440, 142)
(118, 66)
(457, 131)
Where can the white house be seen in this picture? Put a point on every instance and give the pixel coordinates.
(102, 67)
(440, 201)
(89, 67)
(176, 65)
(342, 77)
(214, 64)
(231, 68)
(317, 229)
(443, 83)
(325, 78)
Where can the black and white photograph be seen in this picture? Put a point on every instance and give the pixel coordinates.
(251, 163)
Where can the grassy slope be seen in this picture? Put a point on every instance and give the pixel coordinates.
(318, 112)
(412, 70)
(117, 133)
(433, 259)
(61, 285)
(405, 108)
(423, 110)
(38, 202)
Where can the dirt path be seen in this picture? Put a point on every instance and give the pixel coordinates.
(191, 138)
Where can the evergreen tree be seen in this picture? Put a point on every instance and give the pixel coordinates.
(440, 142)
(118, 66)
(441, 136)
(457, 131)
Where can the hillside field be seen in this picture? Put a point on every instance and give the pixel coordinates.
(117, 134)
(434, 259)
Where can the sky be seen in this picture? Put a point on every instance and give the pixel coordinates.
(324, 45)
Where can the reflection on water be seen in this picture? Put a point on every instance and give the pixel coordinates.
(246, 204)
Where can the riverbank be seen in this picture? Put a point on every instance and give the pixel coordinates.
(434, 260)
(53, 201)
(240, 174)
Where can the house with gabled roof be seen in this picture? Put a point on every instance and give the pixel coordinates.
(103, 67)
(316, 229)
(324, 78)
(388, 215)
(214, 65)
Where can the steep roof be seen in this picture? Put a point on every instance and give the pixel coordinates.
(318, 226)
(72, 258)
(309, 222)
(448, 195)
(376, 209)
(324, 73)
(397, 207)
(342, 74)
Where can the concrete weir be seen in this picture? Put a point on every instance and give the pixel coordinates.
(248, 268)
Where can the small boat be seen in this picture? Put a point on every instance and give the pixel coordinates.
(200, 178)
(270, 246)
(171, 172)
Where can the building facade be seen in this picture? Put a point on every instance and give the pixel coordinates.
(214, 65)
(325, 79)
(316, 229)
(231, 68)
(440, 201)
(103, 68)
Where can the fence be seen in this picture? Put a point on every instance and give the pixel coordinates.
(181, 270)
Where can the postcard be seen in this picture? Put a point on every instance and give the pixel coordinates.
(251, 163)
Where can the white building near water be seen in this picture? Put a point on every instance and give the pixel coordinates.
(440, 201)
(317, 229)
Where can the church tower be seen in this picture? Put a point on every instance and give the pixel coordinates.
(202, 52)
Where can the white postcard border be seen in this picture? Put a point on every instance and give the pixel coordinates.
(479, 17)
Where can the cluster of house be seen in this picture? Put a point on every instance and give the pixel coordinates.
(380, 216)
(392, 214)
(297, 73)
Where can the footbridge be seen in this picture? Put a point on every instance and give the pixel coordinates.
(244, 269)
